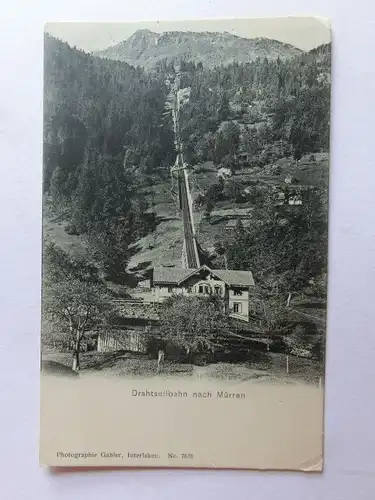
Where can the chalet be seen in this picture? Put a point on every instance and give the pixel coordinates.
(224, 173)
(289, 196)
(295, 199)
(290, 179)
(234, 287)
(145, 284)
(280, 198)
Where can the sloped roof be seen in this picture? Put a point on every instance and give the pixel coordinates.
(244, 278)
(174, 275)
(170, 274)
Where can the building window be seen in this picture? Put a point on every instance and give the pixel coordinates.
(237, 307)
(217, 290)
(237, 291)
(200, 289)
(170, 289)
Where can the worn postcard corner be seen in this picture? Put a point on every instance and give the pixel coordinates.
(313, 465)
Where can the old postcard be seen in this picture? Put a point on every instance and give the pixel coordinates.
(185, 227)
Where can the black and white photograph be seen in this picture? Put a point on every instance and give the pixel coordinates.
(185, 202)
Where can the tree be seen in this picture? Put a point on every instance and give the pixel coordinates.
(250, 142)
(273, 315)
(229, 162)
(224, 108)
(194, 323)
(284, 248)
(74, 299)
(77, 308)
(208, 210)
(300, 342)
(108, 246)
(233, 190)
(214, 193)
(226, 142)
(205, 146)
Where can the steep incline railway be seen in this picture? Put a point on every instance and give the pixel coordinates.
(190, 244)
(190, 255)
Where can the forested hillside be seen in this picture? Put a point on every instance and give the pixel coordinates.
(108, 142)
(104, 136)
(282, 102)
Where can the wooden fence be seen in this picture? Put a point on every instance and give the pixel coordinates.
(127, 340)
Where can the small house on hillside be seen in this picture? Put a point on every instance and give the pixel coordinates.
(145, 284)
(287, 196)
(224, 173)
(295, 199)
(280, 198)
(290, 179)
(234, 287)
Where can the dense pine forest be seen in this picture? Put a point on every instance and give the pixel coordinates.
(265, 101)
(104, 136)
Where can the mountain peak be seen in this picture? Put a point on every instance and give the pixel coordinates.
(146, 48)
(141, 33)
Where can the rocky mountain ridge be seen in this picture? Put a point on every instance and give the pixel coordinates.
(146, 48)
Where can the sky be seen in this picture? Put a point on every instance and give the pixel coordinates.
(303, 32)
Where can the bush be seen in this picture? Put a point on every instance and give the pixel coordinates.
(72, 230)
(275, 170)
